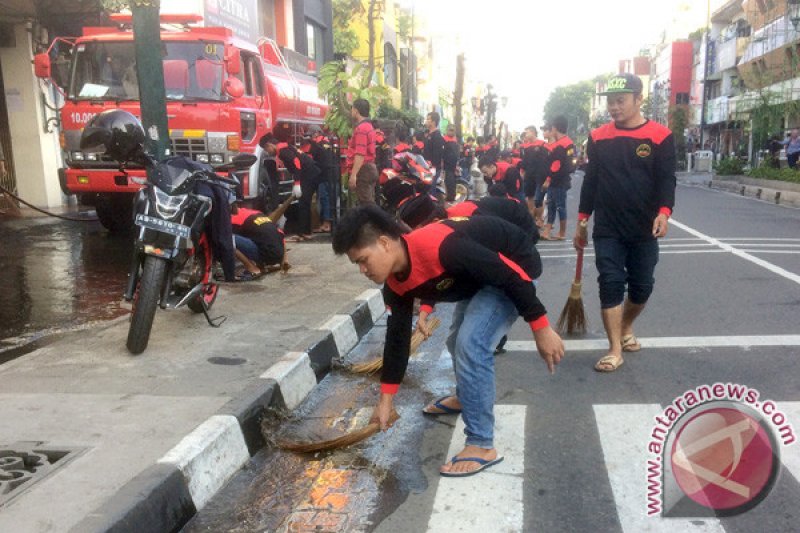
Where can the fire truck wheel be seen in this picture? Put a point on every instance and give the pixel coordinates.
(115, 214)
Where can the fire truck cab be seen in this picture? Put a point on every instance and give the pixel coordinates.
(223, 94)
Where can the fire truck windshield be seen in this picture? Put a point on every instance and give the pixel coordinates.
(106, 70)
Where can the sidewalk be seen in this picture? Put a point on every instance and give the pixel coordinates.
(777, 192)
(138, 443)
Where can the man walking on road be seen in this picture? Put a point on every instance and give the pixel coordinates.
(562, 151)
(363, 173)
(482, 264)
(434, 144)
(630, 187)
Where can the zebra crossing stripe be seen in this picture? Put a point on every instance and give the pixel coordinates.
(624, 431)
(790, 455)
(491, 500)
(741, 341)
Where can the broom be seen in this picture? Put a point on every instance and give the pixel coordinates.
(347, 439)
(572, 316)
(370, 367)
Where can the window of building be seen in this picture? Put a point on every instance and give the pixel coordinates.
(389, 65)
(315, 41)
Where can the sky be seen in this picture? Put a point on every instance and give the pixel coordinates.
(527, 48)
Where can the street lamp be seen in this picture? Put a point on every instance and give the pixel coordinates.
(794, 13)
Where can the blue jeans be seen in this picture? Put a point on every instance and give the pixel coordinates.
(478, 325)
(324, 201)
(622, 263)
(247, 247)
(556, 202)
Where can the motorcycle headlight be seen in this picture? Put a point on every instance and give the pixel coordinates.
(168, 206)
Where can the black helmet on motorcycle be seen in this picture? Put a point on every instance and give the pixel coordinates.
(114, 132)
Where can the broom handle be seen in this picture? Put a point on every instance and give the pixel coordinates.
(579, 266)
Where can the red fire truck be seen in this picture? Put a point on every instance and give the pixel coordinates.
(222, 95)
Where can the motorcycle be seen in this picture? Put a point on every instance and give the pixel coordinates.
(172, 261)
(410, 174)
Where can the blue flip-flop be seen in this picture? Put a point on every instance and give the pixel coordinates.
(445, 410)
(483, 462)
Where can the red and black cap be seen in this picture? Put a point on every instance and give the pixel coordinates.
(623, 83)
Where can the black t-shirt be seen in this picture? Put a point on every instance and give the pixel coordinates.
(259, 228)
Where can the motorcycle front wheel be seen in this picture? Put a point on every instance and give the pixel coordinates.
(145, 303)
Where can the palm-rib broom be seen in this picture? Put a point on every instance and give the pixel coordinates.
(339, 442)
(370, 367)
(573, 316)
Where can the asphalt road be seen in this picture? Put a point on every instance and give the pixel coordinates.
(726, 309)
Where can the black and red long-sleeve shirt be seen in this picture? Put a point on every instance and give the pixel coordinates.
(300, 165)
(535, 159)
(450, 153)
(510, 210)
(630, 179)
(509, 176)
(451, 261)
(561, 153)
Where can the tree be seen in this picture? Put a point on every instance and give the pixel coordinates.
(345, 40)
(340, 88)
(574, 102)
(679, 120)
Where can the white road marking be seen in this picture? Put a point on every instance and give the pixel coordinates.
(779, 239)
(791, 252)
(790, 454)
(768, 245)
(744, 255)
(624, 431)
(491, 500)
(743, 342)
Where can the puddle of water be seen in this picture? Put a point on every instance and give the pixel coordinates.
(58, 276)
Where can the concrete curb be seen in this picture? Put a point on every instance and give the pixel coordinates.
(168, 494)
(781, 196)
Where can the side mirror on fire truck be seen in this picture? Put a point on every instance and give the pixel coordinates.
(234, 87)
(233, 60)
(41, 65)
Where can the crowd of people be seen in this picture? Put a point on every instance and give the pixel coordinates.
(481, 254)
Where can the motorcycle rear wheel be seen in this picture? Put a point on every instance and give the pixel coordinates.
(146, 301)
(204, 257)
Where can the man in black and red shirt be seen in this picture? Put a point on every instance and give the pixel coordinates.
(481, 263)
(305, 173)
(562, 150)
(630, 188)
(495, 171)
(534, 171)
(450, 162)
(263, 243)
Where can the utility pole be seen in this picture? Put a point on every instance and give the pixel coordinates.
(705, 76)
(150, 71)
(458, 94)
